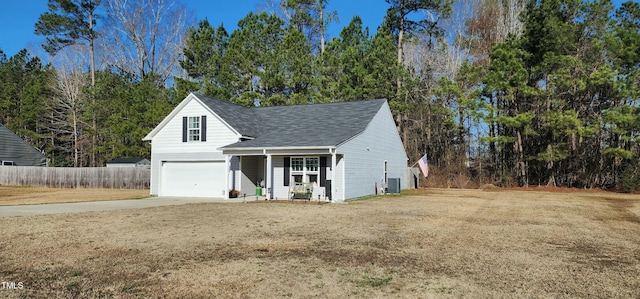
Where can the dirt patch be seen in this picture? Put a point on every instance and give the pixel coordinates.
(444, 244)
(16, 195)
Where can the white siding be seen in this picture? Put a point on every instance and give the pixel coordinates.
(167, 144)
(280, 190)
(364, 157)
(338, 185)
(169, 139)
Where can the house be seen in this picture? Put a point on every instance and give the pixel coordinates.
(129, 162)
(207, 147)
(15, 151)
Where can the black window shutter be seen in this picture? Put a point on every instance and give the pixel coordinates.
(323, 171)
(203, 128)
(184, 129)
(287, 165)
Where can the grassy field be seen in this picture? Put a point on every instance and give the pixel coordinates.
(12, 195)
(439, 244)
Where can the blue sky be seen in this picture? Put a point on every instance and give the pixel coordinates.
(17, 18)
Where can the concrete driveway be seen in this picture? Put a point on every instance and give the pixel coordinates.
(110, 205)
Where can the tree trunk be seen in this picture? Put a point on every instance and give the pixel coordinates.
(321, 11)
(492, 133)
(552, 179)
(400, 41)
(462, 151)
(94, 122)
(520, 165)
(75, 139)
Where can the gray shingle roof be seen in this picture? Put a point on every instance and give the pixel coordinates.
(13, 148)
(316, 125)
(243, 119)
(125, 160)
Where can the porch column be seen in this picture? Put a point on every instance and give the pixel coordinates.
(333, 176)
(227, 169)
(269, 181)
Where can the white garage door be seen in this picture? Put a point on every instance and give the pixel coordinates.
(192, 179)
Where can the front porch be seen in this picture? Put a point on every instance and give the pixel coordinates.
(285, 175)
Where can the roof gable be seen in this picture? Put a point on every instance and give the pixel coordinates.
(192, 97)
(15, 149)
(310, 125)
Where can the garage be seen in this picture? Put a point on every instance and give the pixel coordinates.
(192, 179)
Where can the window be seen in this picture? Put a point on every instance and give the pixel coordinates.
(194, 128)
(386, 175)
(311, 164)
(305, 169)
(7, 163)
(297, 164)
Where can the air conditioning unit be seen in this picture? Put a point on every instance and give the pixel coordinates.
(393, 185)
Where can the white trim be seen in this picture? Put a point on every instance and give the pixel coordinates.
(227, 169)
(191, 160)
(239, 174)
(305, 173)
(269, 183)
(194, 129)
(344, 179)
(177, 110)
(333, 176)
(284, 148)
(299, 151)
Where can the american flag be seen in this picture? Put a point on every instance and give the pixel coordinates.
(424, 165)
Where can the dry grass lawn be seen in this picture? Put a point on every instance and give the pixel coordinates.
(12, 195)
(465, 243)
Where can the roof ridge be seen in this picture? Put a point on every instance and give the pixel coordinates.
(323, 103)
(312, 124)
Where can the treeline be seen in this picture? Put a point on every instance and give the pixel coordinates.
(74, 123)
(560, 99)
(509, 92)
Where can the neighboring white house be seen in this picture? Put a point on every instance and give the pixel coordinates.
(129, 162)
(207, 147)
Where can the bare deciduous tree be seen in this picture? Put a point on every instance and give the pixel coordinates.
(308, 16)
(68, 103)
(146, 37)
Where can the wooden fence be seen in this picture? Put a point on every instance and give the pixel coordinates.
(81, 177)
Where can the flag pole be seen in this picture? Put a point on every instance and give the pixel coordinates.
(412, 173)
(414, 164)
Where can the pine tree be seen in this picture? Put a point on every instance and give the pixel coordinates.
(204, 62)
(72, 22)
